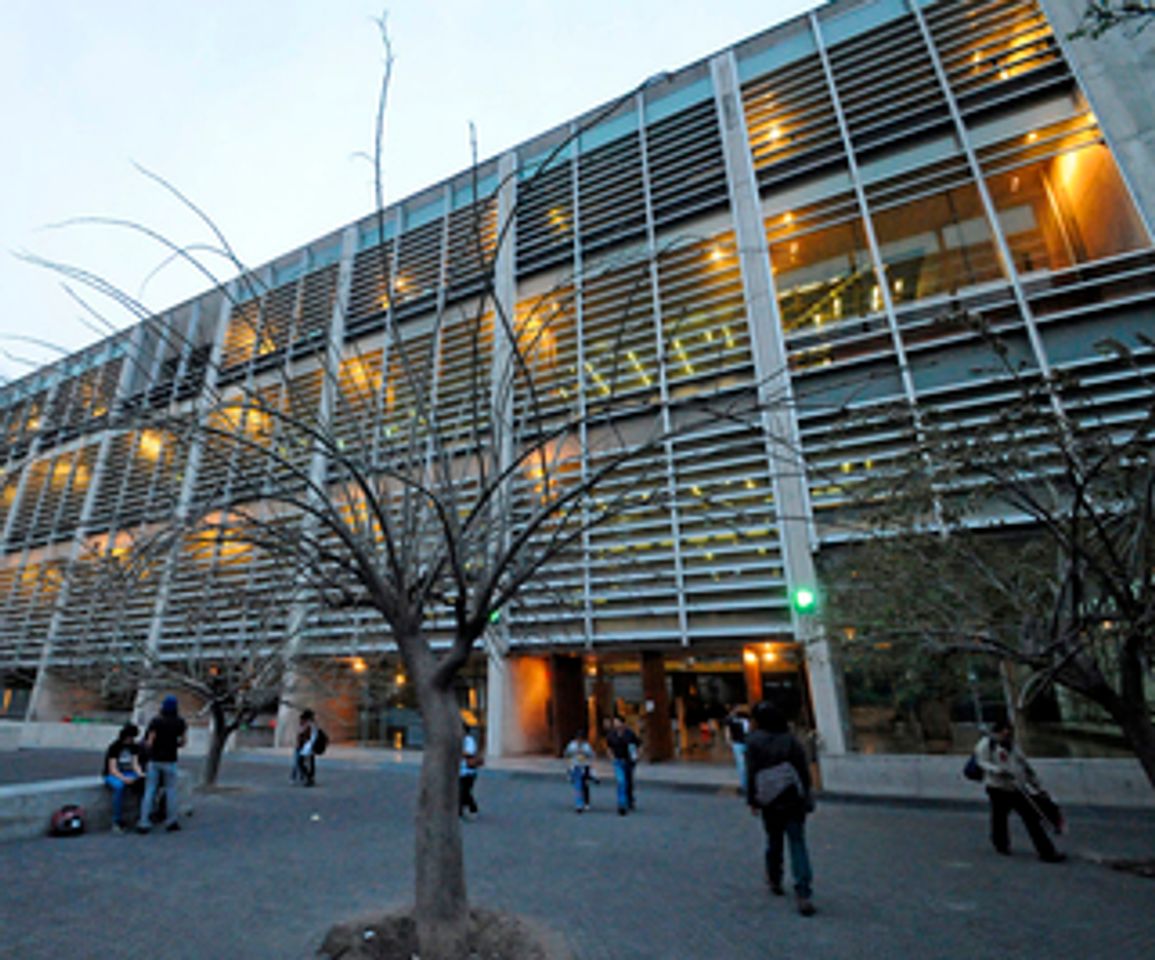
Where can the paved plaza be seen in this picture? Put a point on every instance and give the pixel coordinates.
(262, 869)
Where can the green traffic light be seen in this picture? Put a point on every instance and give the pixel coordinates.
(804, 599)
(495, 615)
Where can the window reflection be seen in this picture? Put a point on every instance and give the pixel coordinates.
(936, 244)
(823, 275)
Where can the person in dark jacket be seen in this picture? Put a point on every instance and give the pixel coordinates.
(784, 817)
(166, 734)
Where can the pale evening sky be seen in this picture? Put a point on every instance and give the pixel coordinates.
(257, 111)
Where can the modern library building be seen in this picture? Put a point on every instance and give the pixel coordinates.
(784, 226)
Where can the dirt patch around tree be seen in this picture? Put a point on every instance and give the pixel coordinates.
(492, 936)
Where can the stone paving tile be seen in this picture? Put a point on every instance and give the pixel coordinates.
(263, 868)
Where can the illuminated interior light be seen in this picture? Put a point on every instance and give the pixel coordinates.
(787, 217)
(1032, 137)
(750, 657)
(898, 285)
(358, 665)
(716, 254)
(1015, 183)
(774, 134)
(1004, 74)
(750, 484)
(769, 656)
(150, 445)
(847, 466)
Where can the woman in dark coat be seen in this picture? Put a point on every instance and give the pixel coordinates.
(786, 779)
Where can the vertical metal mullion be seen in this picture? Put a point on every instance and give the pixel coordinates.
(1004, 252)
(580, 380)
(880, 274)
(663, 381)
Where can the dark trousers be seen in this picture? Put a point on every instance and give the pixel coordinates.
(793, 831)
(465, 799)
(1002, 803)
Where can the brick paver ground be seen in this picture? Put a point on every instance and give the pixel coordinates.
(263, 868)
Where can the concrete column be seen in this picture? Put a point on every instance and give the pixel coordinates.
(776, 398)
(659, 733)
(288, 710)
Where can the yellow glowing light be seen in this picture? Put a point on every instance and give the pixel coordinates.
(769, 656)
(150, 445)
(787, 217)
(774, 133)
(358, 665)
(750, 657)
(1032, 137)
(401, 679)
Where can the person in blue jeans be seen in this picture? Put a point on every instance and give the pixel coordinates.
(122, 770)
(771, 747)
(579, 754)
(165, 735)
(623, 745)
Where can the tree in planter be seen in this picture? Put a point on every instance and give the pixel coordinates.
(444, 467)
(1064, 583)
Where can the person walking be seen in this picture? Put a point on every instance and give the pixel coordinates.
(623, 745)
(737, 729)
(778, 790)
(467, 775)
(166, 734)
(580, 754)
(122, 770)
(1010, 782)
(304, 756)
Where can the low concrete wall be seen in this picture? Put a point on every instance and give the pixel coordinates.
(94, 736)
(27, 808)
(1116, 783)
(9, 736)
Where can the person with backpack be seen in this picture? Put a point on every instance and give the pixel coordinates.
(311, 743)
(778, 790)
(122, 770)
(1011, 783)
(166, 734)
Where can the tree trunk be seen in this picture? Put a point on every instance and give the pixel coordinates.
(218, 735)
(442, 910)
(1137, 727)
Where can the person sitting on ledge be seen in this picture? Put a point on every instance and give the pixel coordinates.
(122, 770)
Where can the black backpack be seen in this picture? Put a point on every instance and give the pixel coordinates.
(320, 742)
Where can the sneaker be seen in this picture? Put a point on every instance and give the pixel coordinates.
(117, 827)
(806, 906)
(776, 888)
(173, 827)
(621, 811)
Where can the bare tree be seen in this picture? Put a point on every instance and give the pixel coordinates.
(455, 471)
(1101, 16)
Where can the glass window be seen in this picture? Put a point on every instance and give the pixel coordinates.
(1067, 209)
(936, 244)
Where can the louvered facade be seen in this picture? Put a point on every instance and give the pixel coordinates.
(789, 220)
